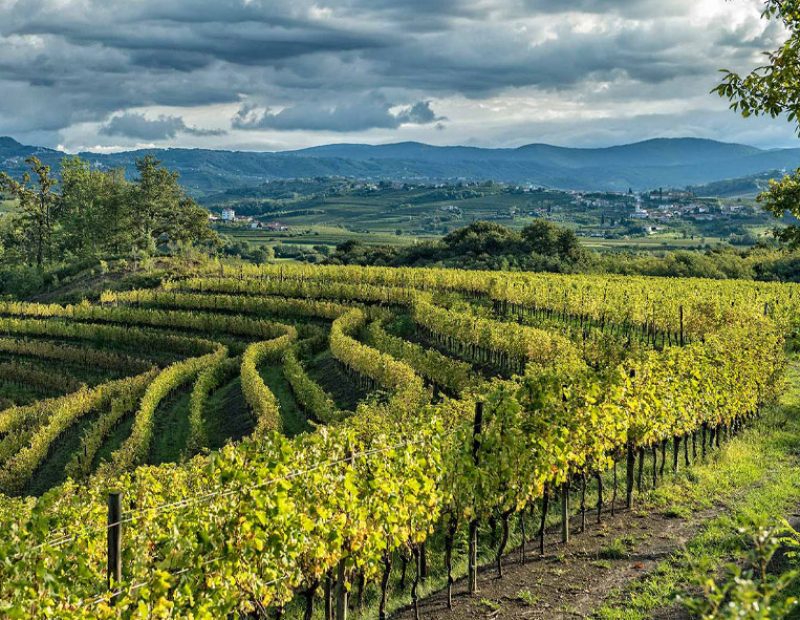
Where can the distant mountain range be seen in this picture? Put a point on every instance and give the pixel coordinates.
(645, 165)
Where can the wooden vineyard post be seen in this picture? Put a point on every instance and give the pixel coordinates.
(614, 489)
(415, 583)
(631, 462)
(631, 465)
(473, 524)
(328, 596)
(676, 446)
(114, 539)
(680, 310)
(641, 470)
(583, 503)
(565, 513)
(655, 465)
(545, 506)
(599, 478)
(341, 572)
(341, 592)
(686, 460)
(448, 561)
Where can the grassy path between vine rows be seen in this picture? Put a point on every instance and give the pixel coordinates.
(633, 565)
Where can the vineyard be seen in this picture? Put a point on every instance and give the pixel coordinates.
(251, 441)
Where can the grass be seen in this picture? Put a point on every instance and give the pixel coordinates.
(115, 439)
(227, 415)
(52, 471)
(755, 477)
(293, 418)
(490, 604)
(526, 597)
(616, 550)
(309, 236)
(651, 243)
(328, 373)
(171, 427)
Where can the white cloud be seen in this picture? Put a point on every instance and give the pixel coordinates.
(291, 73)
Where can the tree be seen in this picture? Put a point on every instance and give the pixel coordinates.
(263, 254)
(95, 214)
(38, 208)
(773, 89)
(541, 237)
(161, 211)
(482, 238)
(548, 239)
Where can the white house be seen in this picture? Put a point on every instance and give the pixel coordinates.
(228, 215)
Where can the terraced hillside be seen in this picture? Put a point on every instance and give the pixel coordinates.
(285, 437)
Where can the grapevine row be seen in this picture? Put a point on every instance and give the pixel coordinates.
(136, 447)
(452, 375)
(261, 400)
(309, 395)
(279, 517)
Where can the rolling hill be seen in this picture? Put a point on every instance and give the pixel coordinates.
(653, 163)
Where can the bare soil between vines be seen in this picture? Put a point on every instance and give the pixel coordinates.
(570, 581)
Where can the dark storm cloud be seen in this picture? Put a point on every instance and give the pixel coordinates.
(337, 65)
(133, 125)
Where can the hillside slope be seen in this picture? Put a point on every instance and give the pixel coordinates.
(649, 164)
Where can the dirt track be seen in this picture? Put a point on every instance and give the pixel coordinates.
(573, 580)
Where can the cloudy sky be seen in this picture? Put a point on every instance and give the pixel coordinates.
(280, 74)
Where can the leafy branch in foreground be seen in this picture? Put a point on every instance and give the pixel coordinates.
(749, 591)
(773, 89)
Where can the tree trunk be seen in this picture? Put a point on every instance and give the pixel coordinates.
(545, 502)
(676, 446)
(703, 440)
(341, 592)
(309, 596)
(565, 513)
(387, 572)
(641, 470)
(629, 478)
(655, 466)
(614, 490)
(423, 561)
(448, 560)
(415, 584)
(503, 542)
(599, 497)
(686, 460)
(583, 502)
(473, 556)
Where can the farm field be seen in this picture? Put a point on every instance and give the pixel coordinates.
(286, 438)
(604, 221)
(653, 243)
(330, 236)
(417, 211)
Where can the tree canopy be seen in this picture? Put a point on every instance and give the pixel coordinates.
(96, 214)
(773, 89)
